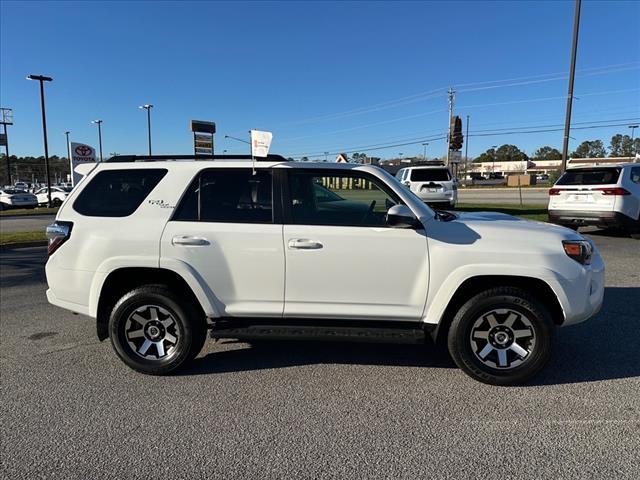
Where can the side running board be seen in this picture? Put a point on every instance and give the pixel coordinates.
(321, 333)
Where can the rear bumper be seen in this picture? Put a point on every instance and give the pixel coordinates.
(601, 219)
(74, 307)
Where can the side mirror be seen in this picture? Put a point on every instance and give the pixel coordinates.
(401, 216)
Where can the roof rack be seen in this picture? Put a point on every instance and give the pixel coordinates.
(157, 158)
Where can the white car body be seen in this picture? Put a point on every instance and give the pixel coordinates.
(415, 284)
(433, 184)
(412, 269)
(602, 195)
(10, 198)
(58, 195)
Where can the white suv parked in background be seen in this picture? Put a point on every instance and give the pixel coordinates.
(159, 252)
(433, 184)
(602, 195)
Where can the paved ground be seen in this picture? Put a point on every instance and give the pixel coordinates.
(530, 196)
(25, 223)
(70, 409)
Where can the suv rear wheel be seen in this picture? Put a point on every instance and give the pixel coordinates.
(154, 331)
(502, 336)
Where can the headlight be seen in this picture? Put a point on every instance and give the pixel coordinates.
(580, 250)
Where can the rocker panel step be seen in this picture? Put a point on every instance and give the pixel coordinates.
(322, 333)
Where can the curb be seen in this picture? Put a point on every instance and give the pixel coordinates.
(34, 243)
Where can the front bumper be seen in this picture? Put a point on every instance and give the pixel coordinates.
(583, 218)
(581, 297)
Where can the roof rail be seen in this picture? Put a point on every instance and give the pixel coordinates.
(157, 158)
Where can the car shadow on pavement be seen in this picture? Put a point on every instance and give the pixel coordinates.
(280, 354)
(602, 348)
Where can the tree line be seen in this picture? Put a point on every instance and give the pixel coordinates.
(30, 169)
(619, 146)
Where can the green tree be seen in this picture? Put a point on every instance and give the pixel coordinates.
(505, 153)
(488, 156)
(622, 146)
(590, 149)
(547, 153)
(304, 159)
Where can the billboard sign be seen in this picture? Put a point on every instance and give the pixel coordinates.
(80, 154)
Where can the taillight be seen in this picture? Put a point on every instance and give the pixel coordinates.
(57, 234)
(613, 191)
(554, 191)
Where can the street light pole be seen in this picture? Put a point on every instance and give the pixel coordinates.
(42, 79)
(7, 119)
(148, 107)
(572, 74)
(66, 134)
(424, 154)
(99, 123)
(493, 157)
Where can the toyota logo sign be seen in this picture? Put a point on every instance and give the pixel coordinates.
(83, 150)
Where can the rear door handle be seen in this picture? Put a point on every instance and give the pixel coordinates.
(189, 240)
(304, 244)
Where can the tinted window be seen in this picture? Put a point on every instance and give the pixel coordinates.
(635, 174)
(348, 199)
(230, 196)
(117, 193)
(430, 175)
(590, 176)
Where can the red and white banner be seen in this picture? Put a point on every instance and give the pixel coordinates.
(260, 143)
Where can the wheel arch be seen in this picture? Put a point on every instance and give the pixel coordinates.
(122, 280)
(476, 284)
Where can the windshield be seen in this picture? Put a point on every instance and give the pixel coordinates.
(590, 176)
(430, 175)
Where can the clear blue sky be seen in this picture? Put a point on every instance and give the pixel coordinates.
(295, 68)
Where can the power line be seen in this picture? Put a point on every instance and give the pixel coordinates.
(473, 133)
(437, 92)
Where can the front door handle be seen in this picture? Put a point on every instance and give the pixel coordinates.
(304, 244)
(189, 240)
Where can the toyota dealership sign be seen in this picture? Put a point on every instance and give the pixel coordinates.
(80, 153)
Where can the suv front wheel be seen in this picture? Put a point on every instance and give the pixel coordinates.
(502, 336)
(154, 331)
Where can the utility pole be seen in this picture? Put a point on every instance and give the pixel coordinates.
(466, 149)
(632, 127)
(572, 74)
(451, 96)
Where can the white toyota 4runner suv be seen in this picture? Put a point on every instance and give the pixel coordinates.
(159, 250)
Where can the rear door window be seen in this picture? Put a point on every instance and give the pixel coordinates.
(590, 176)
(430, 175)
(228, 196)
(117, 193)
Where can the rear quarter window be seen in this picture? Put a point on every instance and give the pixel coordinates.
(590, 176)
(117, 193)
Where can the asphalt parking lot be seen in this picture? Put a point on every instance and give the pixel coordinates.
(71, 409)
